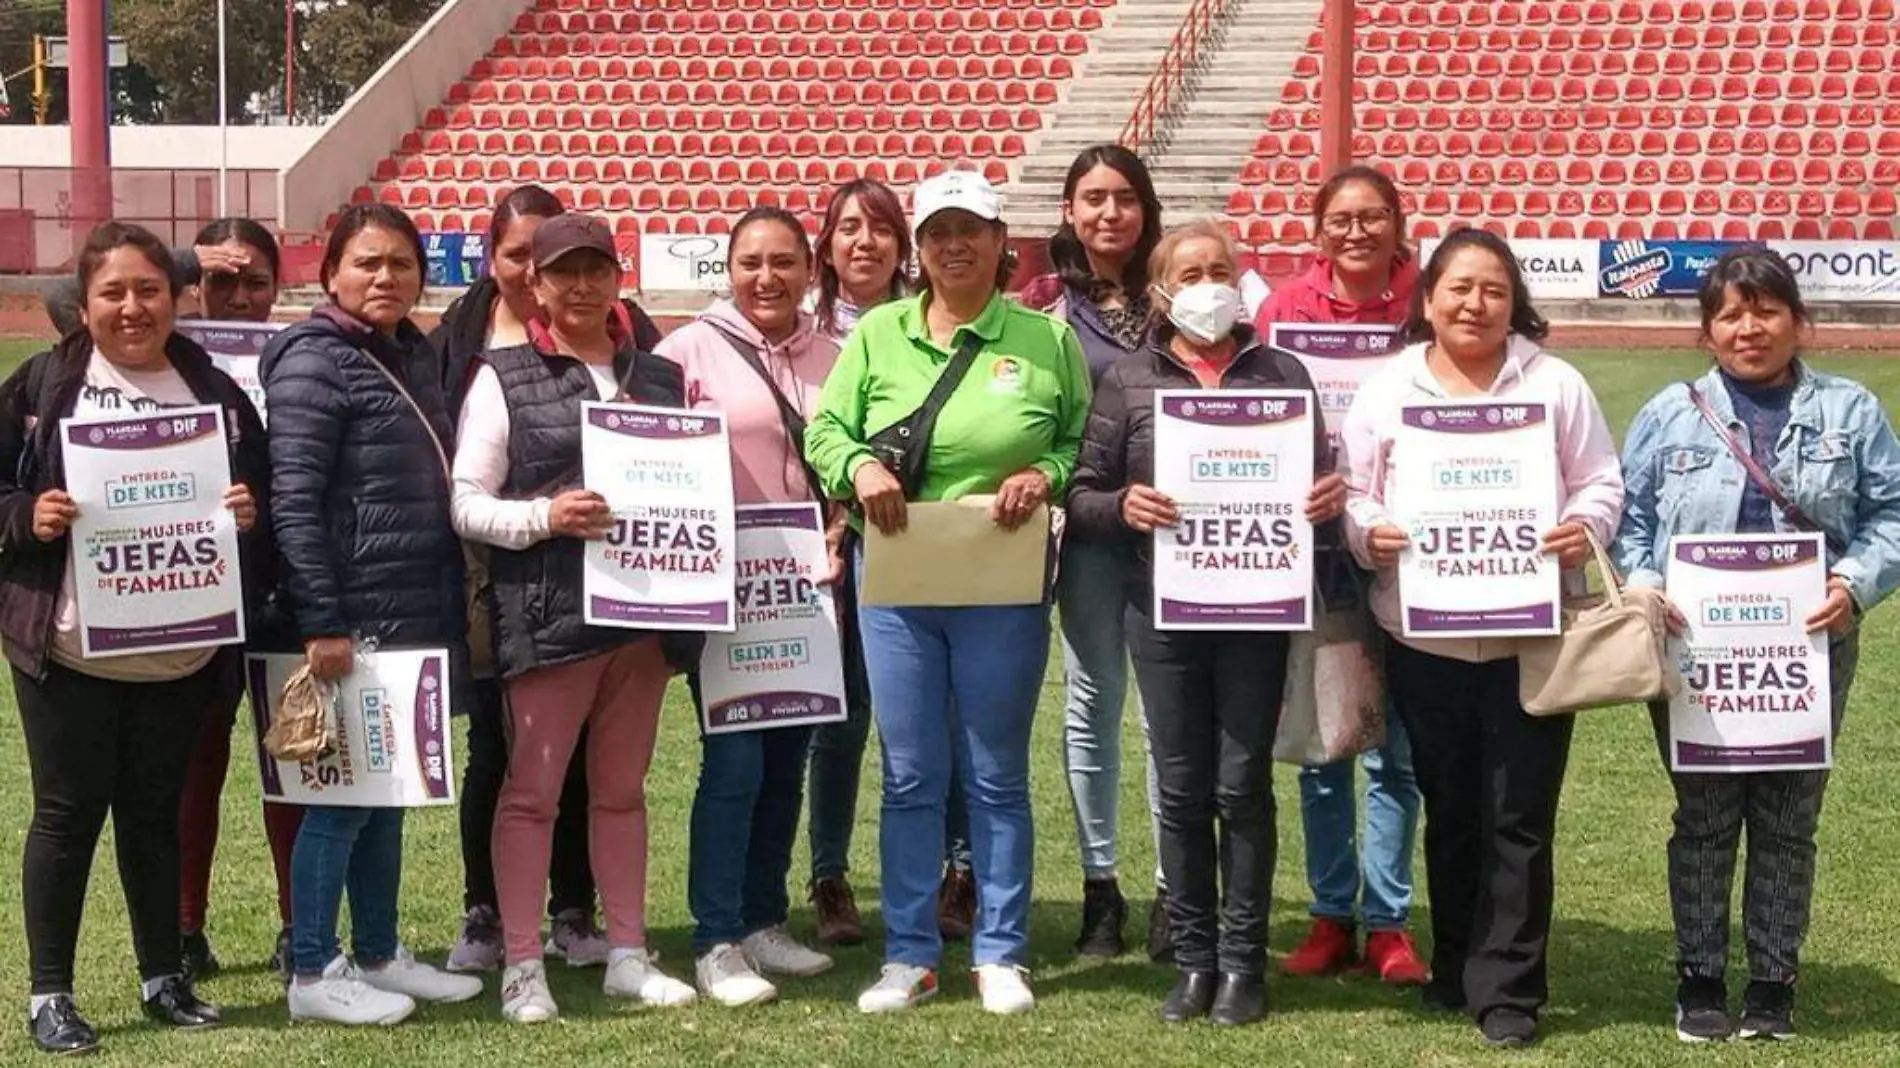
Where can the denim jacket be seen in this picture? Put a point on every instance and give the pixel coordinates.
(1837, 460)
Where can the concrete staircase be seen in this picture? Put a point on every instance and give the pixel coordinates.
(1209, 132)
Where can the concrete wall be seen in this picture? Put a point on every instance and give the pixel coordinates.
(370, 126)
(252, 148)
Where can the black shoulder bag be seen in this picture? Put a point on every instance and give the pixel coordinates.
(904, 446)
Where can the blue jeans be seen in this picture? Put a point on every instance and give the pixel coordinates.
(745, 819)
(988, 663)
(1091, 595)
(341, 846)
(1334, 862)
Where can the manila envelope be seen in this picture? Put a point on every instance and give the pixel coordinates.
(950, 555)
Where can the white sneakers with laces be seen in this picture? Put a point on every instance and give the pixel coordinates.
(726, 976)
(774, 951)
(1004, 988)
(632, 974)
(342, 997)
(404, 974)
(525, 997)
(899, 987)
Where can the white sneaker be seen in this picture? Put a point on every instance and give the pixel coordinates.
(631, 974)
(342, 997)
(525, 997)
(404, 974)
(774, 951)
(898, 987)
(1005, 989)
(726, 976)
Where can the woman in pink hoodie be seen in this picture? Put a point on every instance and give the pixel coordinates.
(762, 362)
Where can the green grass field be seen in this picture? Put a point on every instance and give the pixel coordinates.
(1610, 958)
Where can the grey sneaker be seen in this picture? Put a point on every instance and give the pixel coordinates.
(574, 936)
(479, 949)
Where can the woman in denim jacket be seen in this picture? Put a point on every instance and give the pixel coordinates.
(1827, 444)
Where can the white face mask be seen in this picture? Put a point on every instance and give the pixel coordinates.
(1206, 311)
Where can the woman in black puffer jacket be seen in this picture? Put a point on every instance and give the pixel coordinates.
(359, 436)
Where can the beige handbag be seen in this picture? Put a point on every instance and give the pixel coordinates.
(1611, 651)
(301, 728)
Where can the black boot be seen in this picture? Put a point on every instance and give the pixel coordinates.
(176, 1004)
(1160, 935)
(58, 1027)
(1103, 913)
(196, 956)
(1242, 1000)
(281, 960)
(1192, 997)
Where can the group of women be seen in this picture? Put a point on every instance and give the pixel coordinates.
(398, 466)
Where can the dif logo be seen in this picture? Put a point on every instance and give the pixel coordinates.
(147, 491)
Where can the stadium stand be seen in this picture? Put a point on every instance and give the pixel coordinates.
(1725, 119)
(674, 119)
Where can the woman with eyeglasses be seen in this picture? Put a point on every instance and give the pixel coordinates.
(1364, 274)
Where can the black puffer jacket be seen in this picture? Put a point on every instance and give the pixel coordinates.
(1119, 447)
(462, 335)
(364, 538)
(32, 402)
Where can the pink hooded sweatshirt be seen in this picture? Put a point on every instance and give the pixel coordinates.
(766, 467)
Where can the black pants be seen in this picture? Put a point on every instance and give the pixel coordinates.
(570, 880)
(1490, 775)
(1213, 702)
(97, 746)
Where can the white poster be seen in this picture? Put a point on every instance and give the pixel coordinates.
(1857, 271)
(154, 549)
(1475, 487)
(683, 263)
(236, 348)
(392, 743)
(1554, 268)
(784, 664)
(1339, 358)
(667, 563)
(1756, 694)
(1239, 465)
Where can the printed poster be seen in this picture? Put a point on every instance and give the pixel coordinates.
(1239, 465)
(1339, 358)
(667, 562)
(784, 664)
(154, 550)
(237, 349)
(1475, 487)
(1757, 695)
(393, 747)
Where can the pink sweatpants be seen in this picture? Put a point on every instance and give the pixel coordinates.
(616, 695)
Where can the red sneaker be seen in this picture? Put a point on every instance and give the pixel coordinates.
(1391, 956)
(1329, 947)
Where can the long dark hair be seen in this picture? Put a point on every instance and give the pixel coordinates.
(245, 231)
(1525, 322)
(1066, 251)
(1755, 273)
(882, 206)
(360, 217)
(530, 201)
(110, 236)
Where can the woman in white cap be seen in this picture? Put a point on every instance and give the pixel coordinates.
(1010, 427)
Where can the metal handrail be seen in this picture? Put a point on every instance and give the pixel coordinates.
(1184, 52)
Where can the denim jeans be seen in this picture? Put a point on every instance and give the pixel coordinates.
(1338, 868)
(1095, 662)
(745, 819)
(986, 664)
(342, 846)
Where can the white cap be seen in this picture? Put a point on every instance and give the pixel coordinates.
(956, 191)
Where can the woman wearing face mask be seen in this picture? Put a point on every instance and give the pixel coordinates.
(494, 314)
(1490, 773)
(518, 490)
(1364, 274)
(1111, 222)
(366, 552)
(110, 735)
(1212, 698)
(756, 358)
(1831, 453)
(1010, 429)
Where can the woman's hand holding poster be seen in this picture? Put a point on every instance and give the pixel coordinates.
(391, 742)
(667, 562)
(784, 665)
(1239, 465)
(1474, 486)
(1757, 693)
(154, 549)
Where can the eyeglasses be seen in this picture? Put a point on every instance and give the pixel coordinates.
(1372, 221)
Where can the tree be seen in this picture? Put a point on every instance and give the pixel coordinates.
(20, 21)
(343, 44)
(176, 42)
